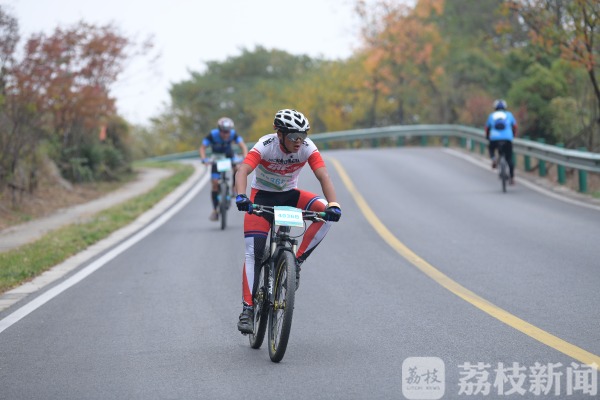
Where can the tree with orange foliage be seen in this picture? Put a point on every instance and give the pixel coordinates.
(67, 77)
(59, 91)
(403, 52)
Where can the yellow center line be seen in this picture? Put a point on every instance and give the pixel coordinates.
(530, 330)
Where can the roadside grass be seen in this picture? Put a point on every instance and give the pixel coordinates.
(26, 262)
(50, 196)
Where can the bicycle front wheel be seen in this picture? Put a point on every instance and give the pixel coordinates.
(261, 309)
(282, 309)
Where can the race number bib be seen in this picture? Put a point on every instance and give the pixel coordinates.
(224, 165)
(288, 216)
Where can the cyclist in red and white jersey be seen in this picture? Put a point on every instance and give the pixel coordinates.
(277, 159)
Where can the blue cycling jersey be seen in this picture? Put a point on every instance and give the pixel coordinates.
(501, 124)
(220, 146)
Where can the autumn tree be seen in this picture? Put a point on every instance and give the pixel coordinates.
(421, 62)
(61, 87)
(9, 37)
(403, 53)
(18, 134)
(475, 59)
(333, 97)
(245, 88)
(69, 74)
(569, 28)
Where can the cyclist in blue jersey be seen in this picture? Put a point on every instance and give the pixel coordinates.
(501, 128)
(220, 140)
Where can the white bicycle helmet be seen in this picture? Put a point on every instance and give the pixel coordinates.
(499, 104)
(290, 121)
(225, 124)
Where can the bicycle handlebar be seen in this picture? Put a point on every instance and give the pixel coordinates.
(308, 215)
(235, 159)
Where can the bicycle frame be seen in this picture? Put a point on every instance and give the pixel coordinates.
(223, 183)
(224, 165)
(280, 240)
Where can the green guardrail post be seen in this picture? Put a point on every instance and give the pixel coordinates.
(423, 140)
(582, 176)
(400, 141)
(560, 169)
(375, 143)
(473, 145)
(445, 141)
(541, 163)
(462, 142)
(482, 147)
(526, 158)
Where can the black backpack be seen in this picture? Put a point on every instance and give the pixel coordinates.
(500, 124)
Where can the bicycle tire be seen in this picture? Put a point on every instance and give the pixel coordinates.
(261, 309)
(223, 205)
(281, 312)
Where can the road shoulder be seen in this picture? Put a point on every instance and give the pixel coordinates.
(14, 295)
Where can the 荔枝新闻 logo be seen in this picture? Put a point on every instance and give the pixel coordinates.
(423, 378)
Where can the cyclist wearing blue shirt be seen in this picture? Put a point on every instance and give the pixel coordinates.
(220, 140)
(500, 130)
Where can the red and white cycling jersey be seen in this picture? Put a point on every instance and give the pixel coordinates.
(277, 171)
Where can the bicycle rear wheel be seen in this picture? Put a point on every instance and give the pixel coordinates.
(261, 309)
(223, 204)
(281, 312)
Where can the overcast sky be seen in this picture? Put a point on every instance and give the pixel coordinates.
(187, 33)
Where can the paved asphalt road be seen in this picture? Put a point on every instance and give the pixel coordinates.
(158, 320)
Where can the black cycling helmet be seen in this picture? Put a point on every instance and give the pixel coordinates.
(499, 104)
(291, 121)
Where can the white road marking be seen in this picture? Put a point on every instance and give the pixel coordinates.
(524, 182)
(116, 237)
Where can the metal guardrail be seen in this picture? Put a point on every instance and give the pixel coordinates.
(582, 161)
(569, 158)
(174, 157)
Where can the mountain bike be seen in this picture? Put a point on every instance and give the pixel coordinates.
(503, 167)
(274, 291)
(224, 165)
